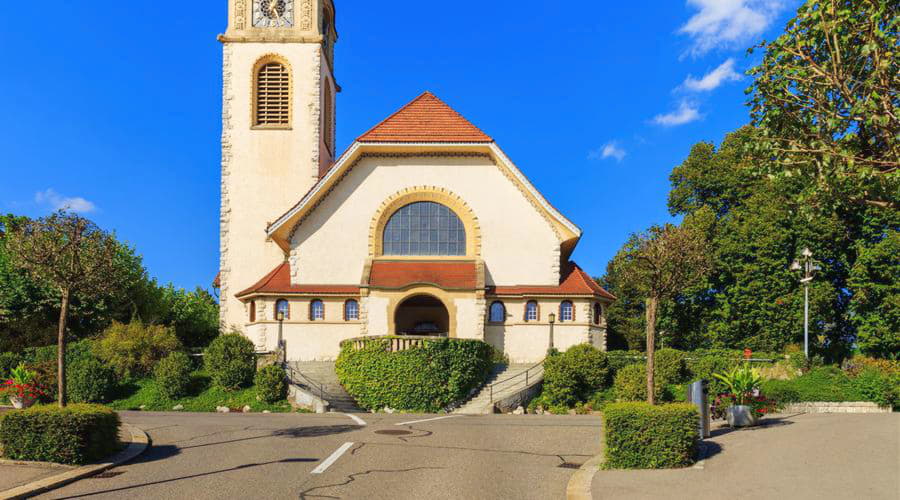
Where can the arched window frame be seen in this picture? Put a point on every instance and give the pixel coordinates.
(255, 97)
(598, 313)
(253, 311)
(316, 310)
(532, 306)
(566, 311)
(347, 315)
(456, 232)
(499, 307)
(285, 305)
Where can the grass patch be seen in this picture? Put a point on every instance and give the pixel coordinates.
(202, 397)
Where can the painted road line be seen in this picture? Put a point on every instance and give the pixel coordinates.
(332, 459)
(356, 419)
(427, 420)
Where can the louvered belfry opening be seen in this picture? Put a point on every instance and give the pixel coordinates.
(273, 95)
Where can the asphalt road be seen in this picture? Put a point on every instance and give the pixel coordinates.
(199, 456)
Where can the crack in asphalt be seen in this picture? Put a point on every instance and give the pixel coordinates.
(426, 433)
(352, 477)
(486, 450)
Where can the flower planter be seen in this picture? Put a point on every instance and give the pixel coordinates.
(741, 416)
(21, 404)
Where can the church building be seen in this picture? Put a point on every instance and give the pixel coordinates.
(423, 226)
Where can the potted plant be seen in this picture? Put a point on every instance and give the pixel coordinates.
(743, 405)
(21, 389)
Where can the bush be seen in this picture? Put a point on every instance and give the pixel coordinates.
(77, 434)
(173, 375)
(621, 359)
(643, 436)
(46, 377)
(630, 384)
(8, 361)
(133, 350)
(230, 361)
(573, 376)
(828, 384)
(877, 387)
(90, 381)
(669, 366)
(426, 378)
(271, 386)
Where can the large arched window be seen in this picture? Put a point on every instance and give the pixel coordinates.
(424, 228)
(351, 310)
(316, 310)
(272, 94)
(531, 311)
(566, 311)
(282, 306)
(497, 313)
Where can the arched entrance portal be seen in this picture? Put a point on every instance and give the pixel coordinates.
(422, 315)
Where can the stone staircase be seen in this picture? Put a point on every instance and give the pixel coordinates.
(317, 380)
(508, 387)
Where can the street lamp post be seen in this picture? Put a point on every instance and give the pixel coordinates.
(807, 267)
(552, 320)
(280, 317)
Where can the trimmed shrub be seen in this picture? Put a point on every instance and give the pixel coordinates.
(271, 385)
(427, 378)
(643, 436)
(77, 434)
(173, 375)
(630, 384)
(231, 361)
(90, 381)
(670, 367)
(828, 384)
(573, 376)
(133, 350)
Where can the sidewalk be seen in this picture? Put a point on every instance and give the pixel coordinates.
(799, 456)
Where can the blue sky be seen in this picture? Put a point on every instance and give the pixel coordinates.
(113, 108)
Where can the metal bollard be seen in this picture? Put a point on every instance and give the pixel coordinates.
(698, 394)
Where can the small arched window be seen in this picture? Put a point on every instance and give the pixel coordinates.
(282, 307)
(566, 311)
(497, 313)
(531, 311)
(316, 310)
(272, 94)
(424, 228)
(351, 310)
(598, 313)
(253, 311)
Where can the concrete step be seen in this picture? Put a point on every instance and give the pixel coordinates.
(507, 381)
(320, 380)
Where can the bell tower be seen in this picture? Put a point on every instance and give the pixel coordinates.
(278, 129)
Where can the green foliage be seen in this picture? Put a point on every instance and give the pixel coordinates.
(77, 434)
(90, 381)
(643, 436)
(573, 376)
(133, 349)
(630, 383)
(231, 361)
(670, 367)
(828, 384)
(878, 387)
(741, 382)
(46, 377)
(194, 315)
(271, 385)
(621, 359)
(427, 378)
(8, 361)
(875, 306)
(173, 375)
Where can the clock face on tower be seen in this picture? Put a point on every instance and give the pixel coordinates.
(273, 13)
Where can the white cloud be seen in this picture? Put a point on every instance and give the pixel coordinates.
(609, 150)
(58, 202)
(686, 113)
(724, 73)
(727, 23)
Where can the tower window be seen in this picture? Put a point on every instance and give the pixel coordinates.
(351, 310)
(272, 95)
(327, 118)
(316, 310)
(284, 308)
(497, 313)
(531, 311)
(566, 311)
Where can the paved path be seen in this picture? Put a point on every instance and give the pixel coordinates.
(275, 456)
(807, 456)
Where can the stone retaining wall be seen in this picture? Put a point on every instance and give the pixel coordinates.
(825, 407)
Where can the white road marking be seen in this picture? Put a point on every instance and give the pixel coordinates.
(332, 459)
(356, 419)
(427, 420)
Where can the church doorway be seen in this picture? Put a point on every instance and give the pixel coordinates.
(422, 315)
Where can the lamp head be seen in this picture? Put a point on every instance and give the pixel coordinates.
(806, 252)
(552, 317)
(795, 266)
(280, 315)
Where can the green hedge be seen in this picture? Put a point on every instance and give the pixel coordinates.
(575, 375)
(830, 384)
(642, 436)
(426, 378)
(91, 381)
(77, 434)
(173, 375)
(231, 361)
(271, 385)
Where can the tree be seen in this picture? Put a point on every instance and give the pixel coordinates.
(875, 280)
(70, 254)
(825, 99)
(662, 262)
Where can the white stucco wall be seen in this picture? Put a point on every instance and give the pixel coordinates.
(518, 245)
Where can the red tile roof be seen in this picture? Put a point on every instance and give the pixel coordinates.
(445, 274)
(573, 281)
(279, 281)
(425, 119)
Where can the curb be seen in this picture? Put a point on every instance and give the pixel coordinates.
(138, 444)
(579, 487)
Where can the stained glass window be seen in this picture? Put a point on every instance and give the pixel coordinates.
(424, 228)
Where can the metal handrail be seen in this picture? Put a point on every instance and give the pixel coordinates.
(309, 381)
(525, 373)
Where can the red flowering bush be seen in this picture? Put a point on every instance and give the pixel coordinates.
(22, 385)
